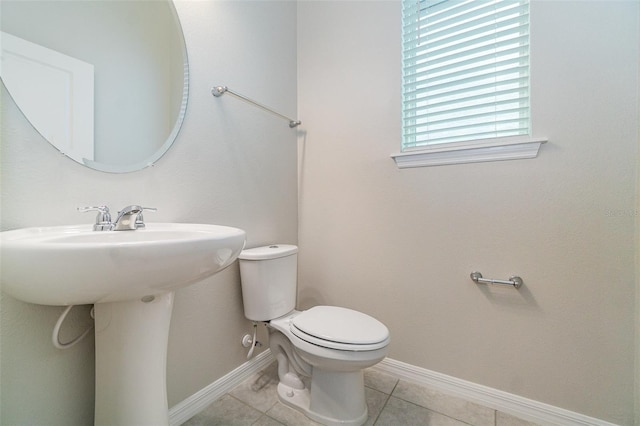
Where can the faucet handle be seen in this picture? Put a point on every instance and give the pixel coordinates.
(103, 218)
(140, 218)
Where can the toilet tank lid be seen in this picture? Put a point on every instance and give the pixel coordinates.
(273, 251)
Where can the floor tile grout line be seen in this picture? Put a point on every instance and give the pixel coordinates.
(428, 409)
(382, 409)
(385, 401)
(269, 417)
(495, 415)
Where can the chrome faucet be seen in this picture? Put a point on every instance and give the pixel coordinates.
(129, 218)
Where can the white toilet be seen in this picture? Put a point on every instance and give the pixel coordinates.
(331, 345)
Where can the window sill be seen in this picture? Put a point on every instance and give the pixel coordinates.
(511, 148)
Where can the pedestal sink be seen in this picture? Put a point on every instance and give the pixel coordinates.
(130, 276)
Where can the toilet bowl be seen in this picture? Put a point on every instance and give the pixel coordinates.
(321, 352)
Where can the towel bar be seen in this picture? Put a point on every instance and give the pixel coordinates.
(514, 281)
(218, 91)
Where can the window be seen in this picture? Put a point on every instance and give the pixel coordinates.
(465, 78)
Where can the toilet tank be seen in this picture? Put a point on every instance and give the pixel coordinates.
(269, 281)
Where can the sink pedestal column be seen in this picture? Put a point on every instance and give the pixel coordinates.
(131, 361)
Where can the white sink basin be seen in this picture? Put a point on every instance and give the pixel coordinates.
(130, 277)
(72, 265)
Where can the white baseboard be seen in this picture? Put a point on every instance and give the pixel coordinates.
(184, 410)
(508, 403)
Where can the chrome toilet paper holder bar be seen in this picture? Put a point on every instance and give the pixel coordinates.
(514, 281)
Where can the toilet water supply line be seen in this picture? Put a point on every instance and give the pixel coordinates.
(55, 336)
(251, 341)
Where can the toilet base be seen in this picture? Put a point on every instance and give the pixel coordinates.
(302, 400)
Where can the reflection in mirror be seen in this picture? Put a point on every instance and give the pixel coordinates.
(104, 81)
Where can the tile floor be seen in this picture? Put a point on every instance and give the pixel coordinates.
(391, 402)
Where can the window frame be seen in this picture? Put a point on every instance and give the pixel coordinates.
(466, 151)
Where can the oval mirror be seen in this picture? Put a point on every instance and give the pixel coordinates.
(104, 81)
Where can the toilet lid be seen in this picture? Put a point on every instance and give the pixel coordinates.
(340, 328)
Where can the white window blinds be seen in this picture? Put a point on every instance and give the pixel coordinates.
(465, 70)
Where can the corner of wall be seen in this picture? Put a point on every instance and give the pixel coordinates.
(637, 223)
(637, 354)
(637, 362)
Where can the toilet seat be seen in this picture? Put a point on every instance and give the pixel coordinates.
(339, 328)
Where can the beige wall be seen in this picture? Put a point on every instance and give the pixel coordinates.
(400, 244)
(232, 164)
